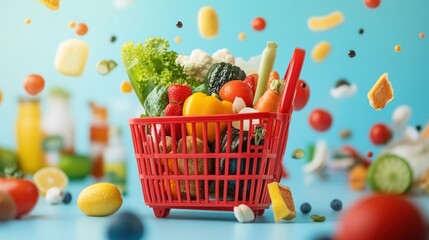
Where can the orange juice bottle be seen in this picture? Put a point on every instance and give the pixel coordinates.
(99, 137)
(29, 136)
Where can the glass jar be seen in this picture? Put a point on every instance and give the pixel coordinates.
(29, 136)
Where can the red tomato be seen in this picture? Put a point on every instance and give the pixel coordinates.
(23, 192)
(320, 120)
(301, 96)
(259, 24)
(237, 88)
(34, 84)
(381, 217)
(380, 134)
(372, 3)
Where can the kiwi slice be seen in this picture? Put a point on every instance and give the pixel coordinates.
(390, 174)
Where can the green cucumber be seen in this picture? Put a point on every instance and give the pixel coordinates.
(390, 174)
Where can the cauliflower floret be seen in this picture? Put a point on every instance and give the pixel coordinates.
(196, 65)
(223, 55)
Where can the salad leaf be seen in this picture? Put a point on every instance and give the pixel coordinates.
(151, 64)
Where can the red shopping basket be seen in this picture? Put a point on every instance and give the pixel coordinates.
(233, 169)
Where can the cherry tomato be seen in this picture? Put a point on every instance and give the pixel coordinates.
(23, 192)
(320, 120)
(380, 134)
(301, 96)
(81, 29)
(34, 84)
(381, 217)
(259, 24)
(372, 3)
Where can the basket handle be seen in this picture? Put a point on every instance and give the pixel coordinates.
(291, 79)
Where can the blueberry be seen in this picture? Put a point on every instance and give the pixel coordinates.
(179, 24)
(125, 226)
(352, 53)
(305, 208)
(336, 205)
(67, 198)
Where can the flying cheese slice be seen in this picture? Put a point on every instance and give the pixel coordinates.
(282, 201)
(381, 93)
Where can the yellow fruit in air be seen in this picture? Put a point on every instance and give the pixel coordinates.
(100, 199)
(49, 177)
(51, 4)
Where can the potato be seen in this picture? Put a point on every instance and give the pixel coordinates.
(7, 207)
(191, 165)
(168, 145)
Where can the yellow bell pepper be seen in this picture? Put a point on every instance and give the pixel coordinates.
(199, 104)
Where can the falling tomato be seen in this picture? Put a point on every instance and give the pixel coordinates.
(34, 84)
(381, 217)
(259, 24)
(301, 96)
(372, 3)
(380, 134)
(320, 120)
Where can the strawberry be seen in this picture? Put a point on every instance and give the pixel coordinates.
(173, 109)
(178, 93)
(252, 81)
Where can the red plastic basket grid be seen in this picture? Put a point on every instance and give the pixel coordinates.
(206, 188)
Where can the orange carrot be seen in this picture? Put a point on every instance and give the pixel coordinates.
(273, 75)
(270, 100)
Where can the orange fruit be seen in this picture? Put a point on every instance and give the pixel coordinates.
(173, 188)
(81, 29)
(357, 177)
(237, 88)
(49, 177)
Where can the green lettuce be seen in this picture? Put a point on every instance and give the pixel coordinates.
(151, 64)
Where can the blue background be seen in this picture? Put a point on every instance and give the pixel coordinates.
(26, 49)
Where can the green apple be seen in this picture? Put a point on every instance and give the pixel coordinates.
(75, 166)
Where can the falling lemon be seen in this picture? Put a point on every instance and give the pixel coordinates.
(49, 177)
(100, 199)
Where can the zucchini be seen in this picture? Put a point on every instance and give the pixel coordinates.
(221, 73)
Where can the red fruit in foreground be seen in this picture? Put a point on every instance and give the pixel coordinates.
(178, 93)
(320, 120)
(23, 192)
(380, 134)
(380, 217)
(301, 96)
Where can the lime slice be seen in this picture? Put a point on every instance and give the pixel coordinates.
(390, 174)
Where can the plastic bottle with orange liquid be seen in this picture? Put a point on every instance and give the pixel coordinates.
(99, 138)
